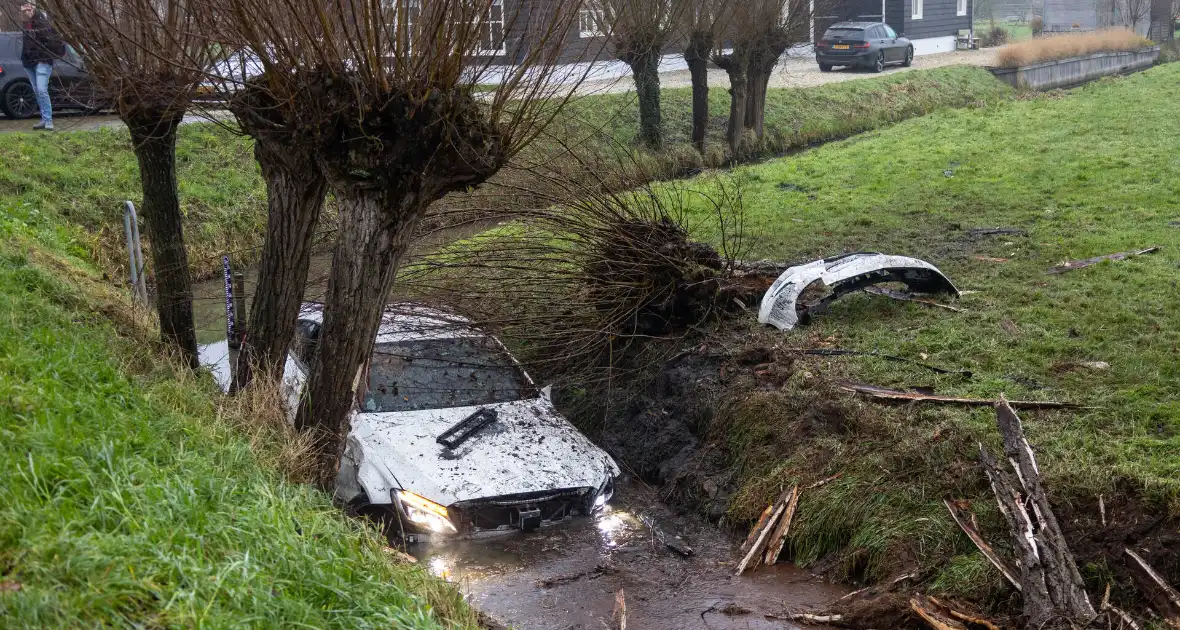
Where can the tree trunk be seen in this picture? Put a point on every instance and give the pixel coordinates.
(645, 68)
(295, 191)
(735, 65)
(697, 57)
(369, 249)
(763, 60)
(154, 141)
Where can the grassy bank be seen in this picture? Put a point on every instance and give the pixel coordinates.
(83, 177)
(1085, 174)
(133, 497)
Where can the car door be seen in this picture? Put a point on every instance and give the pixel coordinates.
(896, 48)
(70, 85)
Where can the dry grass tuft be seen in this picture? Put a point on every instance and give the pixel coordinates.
(257, 413)
(1069, 45)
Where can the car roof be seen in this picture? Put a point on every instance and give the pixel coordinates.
(407, 321)
(859, 25)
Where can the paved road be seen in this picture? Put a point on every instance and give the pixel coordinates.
(71, 121)
(800, 71)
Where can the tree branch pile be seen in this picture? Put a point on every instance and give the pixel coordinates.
(577, 286)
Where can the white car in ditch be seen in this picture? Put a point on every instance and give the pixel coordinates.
(451, 436)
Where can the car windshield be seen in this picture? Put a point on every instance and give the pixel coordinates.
(844, 33)
(441, 373)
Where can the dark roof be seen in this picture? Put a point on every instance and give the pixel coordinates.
(854, 24)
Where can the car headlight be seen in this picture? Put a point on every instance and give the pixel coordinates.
(425, 513)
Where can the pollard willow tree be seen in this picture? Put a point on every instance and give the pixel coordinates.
(391, 99)
(702, 19)
(639, 32)
(758, 33)
(149, 57)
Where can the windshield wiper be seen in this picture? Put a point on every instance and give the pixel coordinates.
(467, 427)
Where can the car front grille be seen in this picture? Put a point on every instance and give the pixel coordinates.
(504, 511)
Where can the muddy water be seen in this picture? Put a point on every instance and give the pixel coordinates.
(567, 576)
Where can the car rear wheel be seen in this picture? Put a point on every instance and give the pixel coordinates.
(879, 64)
(825, 67)
(909, 57)
(19, 100)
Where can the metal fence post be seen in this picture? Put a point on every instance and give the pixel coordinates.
(135, 252)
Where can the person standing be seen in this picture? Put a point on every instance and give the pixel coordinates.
(40, 46)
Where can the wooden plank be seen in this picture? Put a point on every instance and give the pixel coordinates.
(988, 552)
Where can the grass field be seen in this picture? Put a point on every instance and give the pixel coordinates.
(83, 177)
(1086, 173)
(131, 498)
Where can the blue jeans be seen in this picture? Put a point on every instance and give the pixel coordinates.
(39, 76)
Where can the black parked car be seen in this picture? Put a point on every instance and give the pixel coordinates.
(70, 86)
(865, 44)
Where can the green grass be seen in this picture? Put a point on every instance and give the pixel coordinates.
(131, 500)
(83, 177)
(1086, 173)
(1016, 32)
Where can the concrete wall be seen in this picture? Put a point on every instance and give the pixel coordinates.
(1076, 70)
(931, 45)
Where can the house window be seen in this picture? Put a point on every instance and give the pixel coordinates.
(491, 30)
(590, 20)
(916, 14)
(961, 7)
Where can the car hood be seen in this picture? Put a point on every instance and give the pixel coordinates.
(529, 448)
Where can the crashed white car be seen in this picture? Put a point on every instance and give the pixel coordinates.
(451, 435)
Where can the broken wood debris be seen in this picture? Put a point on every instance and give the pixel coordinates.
(774, 546)
(1106, 606)
(600, 570)
(807, 618)
(1050, 584)
(825, 481)
(904, 296)
(988, 552)
(619, 616)
(767, 538)
(991, 259)
(942, 617)
(1082, 264)
(884, 393)
(838, 352)
(669, 540)
(1164, 599)
(996, 231)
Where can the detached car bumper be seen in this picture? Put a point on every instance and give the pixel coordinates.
(857, 59)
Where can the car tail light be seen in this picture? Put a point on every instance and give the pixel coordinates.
(821, 44)
(863, 45)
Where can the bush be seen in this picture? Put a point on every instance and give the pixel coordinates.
(1038, 26)
(994, 36)
(1069, 45)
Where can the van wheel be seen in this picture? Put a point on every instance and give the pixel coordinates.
(909, 57)
(879, 64)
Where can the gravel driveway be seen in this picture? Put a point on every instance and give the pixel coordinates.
(800, 71)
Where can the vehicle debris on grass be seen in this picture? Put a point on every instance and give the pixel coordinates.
(905, 296)
(1087, 262)
(784, 308)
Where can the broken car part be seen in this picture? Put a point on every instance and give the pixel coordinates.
(844, 274)
(466, 428)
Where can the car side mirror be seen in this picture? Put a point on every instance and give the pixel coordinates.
(547, 393)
